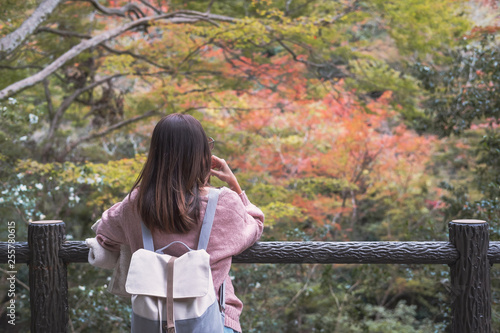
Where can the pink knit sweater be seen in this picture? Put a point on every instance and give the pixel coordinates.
(237, 225)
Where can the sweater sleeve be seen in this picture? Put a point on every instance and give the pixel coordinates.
(254, 215)
(109, 232)
(241, 224)
(254, 221)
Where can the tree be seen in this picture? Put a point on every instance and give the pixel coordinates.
(330, 169)
(10, 42)
(464, 107)
(98, 69)
(313, 103)
(464, 104)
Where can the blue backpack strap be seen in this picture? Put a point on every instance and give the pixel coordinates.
(206, 229)
(222, 298)
(208, 219)
(147, 238)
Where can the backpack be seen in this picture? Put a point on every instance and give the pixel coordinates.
(172, 294)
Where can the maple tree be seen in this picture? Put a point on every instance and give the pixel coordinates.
(327, 155)
(313, 103)
(96, 67)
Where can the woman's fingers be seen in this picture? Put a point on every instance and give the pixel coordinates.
(223, 173)
(217, 163)
(216, 173)
(221, 170)
(214, 161)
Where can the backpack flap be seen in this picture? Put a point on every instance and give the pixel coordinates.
(147, 274)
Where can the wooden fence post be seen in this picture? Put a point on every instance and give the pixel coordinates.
(47, 277)
(470, 277)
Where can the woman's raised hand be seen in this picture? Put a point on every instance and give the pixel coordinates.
(221, 170)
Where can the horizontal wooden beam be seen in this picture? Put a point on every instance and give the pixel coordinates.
(494, 253)
(304, 252)
(350, 253)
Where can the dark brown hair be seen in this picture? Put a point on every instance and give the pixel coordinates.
(178, 165)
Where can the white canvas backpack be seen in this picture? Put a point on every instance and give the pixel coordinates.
(172, 294)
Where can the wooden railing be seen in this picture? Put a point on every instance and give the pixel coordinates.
(468, 253)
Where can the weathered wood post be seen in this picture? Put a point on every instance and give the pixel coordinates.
(47, 277)
(470, 277)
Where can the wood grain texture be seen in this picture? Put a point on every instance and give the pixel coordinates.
(469, 255)
(47, 278)
(349, 253)
(305, 252)
(494, 253)
(22, 252)
(470, 279)
(74, 251)
(321, 253)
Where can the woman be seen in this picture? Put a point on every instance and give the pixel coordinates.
(170, 197)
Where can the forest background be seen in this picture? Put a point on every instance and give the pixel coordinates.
(343, 120)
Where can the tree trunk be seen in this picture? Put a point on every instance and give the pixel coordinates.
(15, 38)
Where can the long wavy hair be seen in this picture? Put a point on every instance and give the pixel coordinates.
(178, 165)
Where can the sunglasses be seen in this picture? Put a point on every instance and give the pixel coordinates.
(211, 143)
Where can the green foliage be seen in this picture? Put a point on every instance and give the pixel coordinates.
(281, 91)
(374, 78)
(311, 187)
(280, 211)
(463, 96)
(76, 193)
(466, 90)
(338, 298)
(14, 129)
(433, 24)
(13, 13)
(394, 320)
(92, 307)
(463, 103)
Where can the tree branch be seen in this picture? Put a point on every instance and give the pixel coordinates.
(289, 12)
(136, 56)
(147, 4)
(20, 67)
(294, 56)
(10, 42)
(64, 33)
(323, 22)
(21, 283)
(209, 7)
(191, 54)
(186, 17)
(48, 97)
(110, 129)
(201, 18)
(335, 72)
(64, 106)
(130, 8)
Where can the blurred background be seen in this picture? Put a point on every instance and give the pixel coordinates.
(348, 120)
